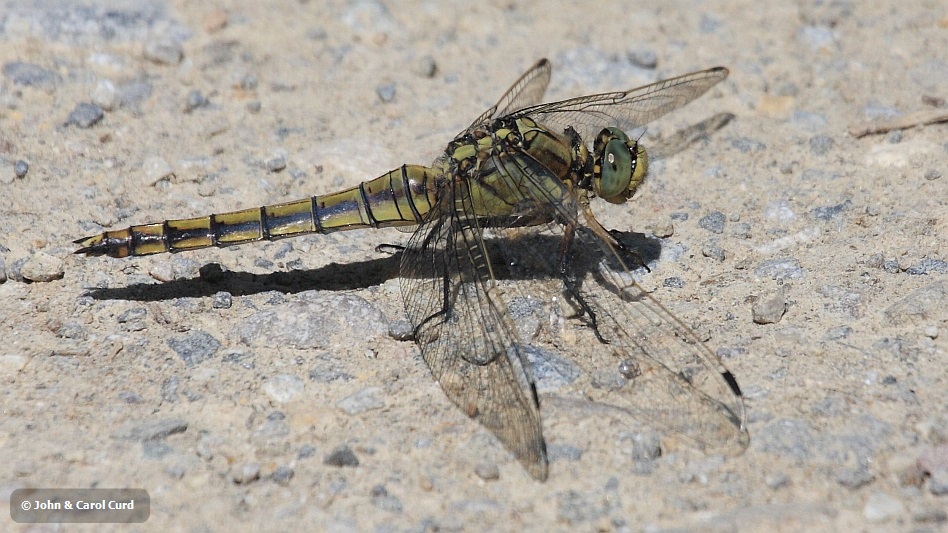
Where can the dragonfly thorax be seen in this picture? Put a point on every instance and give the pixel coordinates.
(619, 165)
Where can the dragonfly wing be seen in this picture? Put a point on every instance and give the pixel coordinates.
(464, 331)
(652, 364)
(528, 90)
(626, 110)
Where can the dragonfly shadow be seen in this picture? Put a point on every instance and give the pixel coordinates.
(339, 276)
(213, 279)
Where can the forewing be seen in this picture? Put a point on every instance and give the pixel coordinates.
(651, 364)
(626, 110)
(528, 90)
(462, 327)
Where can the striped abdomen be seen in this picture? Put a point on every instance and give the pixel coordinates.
(401, 197)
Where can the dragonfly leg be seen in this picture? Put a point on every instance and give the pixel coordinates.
(628, 252)
(569, 282)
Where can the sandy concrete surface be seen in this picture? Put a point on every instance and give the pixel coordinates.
(271, 392)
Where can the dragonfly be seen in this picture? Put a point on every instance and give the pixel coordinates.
(506, 211)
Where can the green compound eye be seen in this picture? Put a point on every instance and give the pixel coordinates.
(616, 169)
(616, 159)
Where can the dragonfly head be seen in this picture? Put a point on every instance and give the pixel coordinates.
(619, 165)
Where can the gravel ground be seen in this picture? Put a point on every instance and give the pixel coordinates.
(270, 388)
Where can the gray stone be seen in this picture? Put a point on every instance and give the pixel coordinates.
(283, 388)
(769, 308)
(923, 304)
(30, 75)
(341, 456)
(713, 222)
(85, 115)
(367, 399)
(788, 268)
(20, 168)
(194, 347)
(42, 267)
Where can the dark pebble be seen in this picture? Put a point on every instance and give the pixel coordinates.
(673, 282)
(195, 100)
(713, 251)
(927, 266)
(821, 144)
(195, 347)
(644, 57)
(85, 115)
(30, 75)
(20, 168)
(283, 475)
(746, 145)
(830, 212)
(341, 456)
(713, 222)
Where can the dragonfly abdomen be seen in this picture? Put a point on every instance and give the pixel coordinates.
(401, 197)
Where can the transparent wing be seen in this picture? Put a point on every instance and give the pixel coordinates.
(464, 331)
(528, 90)
(650, 364)
(626, 110)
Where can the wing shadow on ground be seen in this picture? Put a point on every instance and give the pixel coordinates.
(332, 277)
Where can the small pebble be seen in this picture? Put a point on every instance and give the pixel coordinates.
(248, 472)
(777, 481)
(195, 99)
(386, 92)
(164, 51)
(938, 482)
(222, 300)
(283, 388)
(778, 269)
(487, 471)
(713, 222)
(426, 67)
(880, 507)
(156, 169)
(30, 75)
(367, 399)
(341, 456)
(643, 57)
(194, 347)
(283, 475)
(713, 251)
(254, 107)
(248, 82)
(663, 228)
(855, 478)
(894, 137)
(932, 174)
(42, 267)
(20, 168)
(277, 162)
(85, 115)
(401, 330)
(673, 282)
(769, 308)
(105, 95)
(821, 144)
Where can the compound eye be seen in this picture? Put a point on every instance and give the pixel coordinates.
(616, 166)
